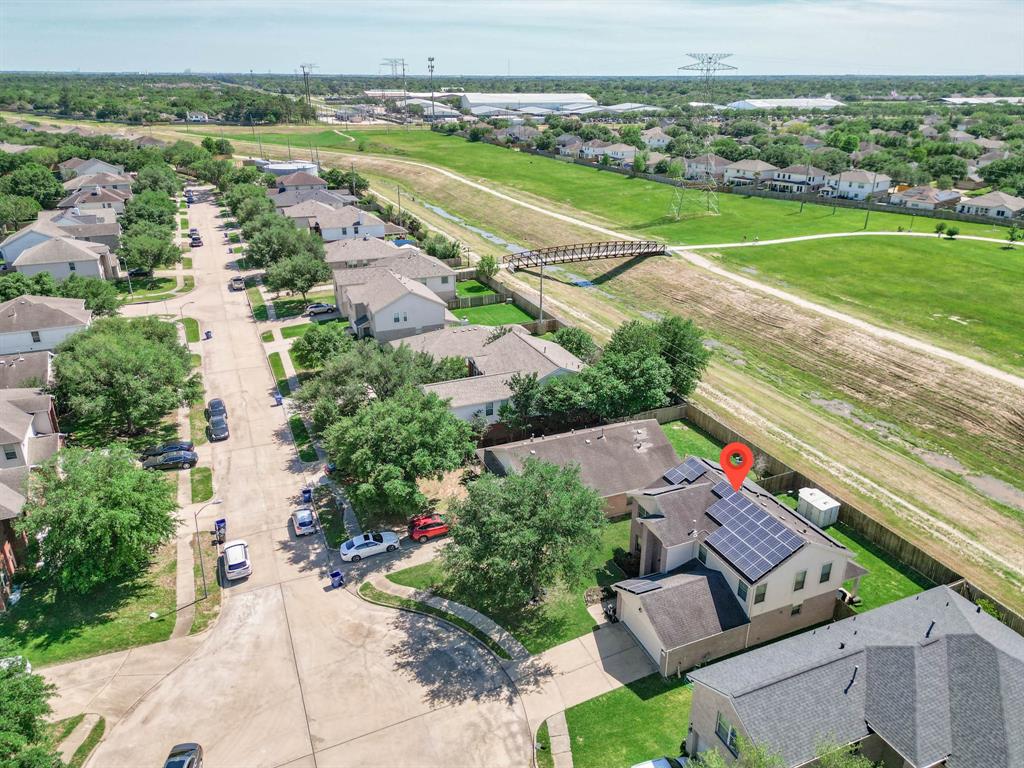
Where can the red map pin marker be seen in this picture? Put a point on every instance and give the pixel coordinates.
(736, 471)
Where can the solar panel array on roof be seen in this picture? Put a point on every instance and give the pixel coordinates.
(722, 489)
(751, 540)
(639, 586)
(686, 472)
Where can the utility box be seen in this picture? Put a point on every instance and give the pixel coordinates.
(816, 506)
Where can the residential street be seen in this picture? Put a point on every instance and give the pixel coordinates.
(293, 673)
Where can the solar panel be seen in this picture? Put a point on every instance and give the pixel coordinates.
(753, 541)
(722, 489)
(641, 587)
(686, 472)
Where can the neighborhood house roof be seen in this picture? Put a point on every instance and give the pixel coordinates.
(754, 166)
(34, 313)
(412, 264)
(93, 195)
(804, 170)
(995, 200)
(96, 180)
(935, 676)
(299, 179)
(24, 369)
(928, 194)
(58, 250)
(359, 249)
(292, 197)
(612, 459)
(385, 288)
(859, 177)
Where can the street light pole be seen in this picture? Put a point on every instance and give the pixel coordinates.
(199, 544)
(181, 310)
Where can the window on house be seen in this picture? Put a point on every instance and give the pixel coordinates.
(405, 317)
(355, 229)
(344, 230)
(798, 582)
(795, 610)
(489, 409)
(702, 554)
(826, 573)
(10, 453)
(36, 338)
(741, 591)
(397, 317)
(71, 266)
(444, 280)
(725, 731)
(759, 593)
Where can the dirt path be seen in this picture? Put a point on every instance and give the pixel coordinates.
(827, 236)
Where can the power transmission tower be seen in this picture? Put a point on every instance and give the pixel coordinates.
(398, 65)
(307, 71)
(430, 68)
(708, 65)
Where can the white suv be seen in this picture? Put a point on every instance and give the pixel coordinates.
(236, 560)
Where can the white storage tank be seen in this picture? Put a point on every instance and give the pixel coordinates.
(816, 506)
(285, 167)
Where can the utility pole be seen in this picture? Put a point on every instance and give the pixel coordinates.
(307, 71)
(708, 65)
(352, 178)
(430, 68)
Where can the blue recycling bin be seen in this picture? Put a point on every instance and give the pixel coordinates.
(220, 529)
(278, 400)
(337, 579)
(208, 335)
(307, 495)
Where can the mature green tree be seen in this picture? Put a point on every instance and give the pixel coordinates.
(389, 444)
(24, 705)
(640, 160)
(946, 165)
(123, 375)
(43, 155)
(630, 134)
(440, 247)
(100, 295)
(274, 244)
(35, 181)
(145, 245)
(627, 383)
(487, 267)
(158, 177)
(320, 343)
(212, 170)
(832, 160)
(750, 756)
(85, 502)
(150, 206)
(522, 407)
(682, 347)
(238, 193)
(513, 537)
(577, 341)
(297, 274)
(217, 146)
(257, 214)
(16, 210)
(349, 181)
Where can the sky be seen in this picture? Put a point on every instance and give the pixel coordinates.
(525, 37)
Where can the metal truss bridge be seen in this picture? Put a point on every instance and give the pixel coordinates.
(562, 254)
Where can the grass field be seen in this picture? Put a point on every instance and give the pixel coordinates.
(641, 721)
(472, 288)
(563, 614)
(493, 314)
(49, 627)
(964, 291)
(640, 206)
(690, 440)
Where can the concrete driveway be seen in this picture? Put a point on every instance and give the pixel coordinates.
(293, 673)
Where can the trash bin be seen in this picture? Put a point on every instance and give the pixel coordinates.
(278, 400)
(307, 495)
(337, 579)
(208, 335)
(220, 529)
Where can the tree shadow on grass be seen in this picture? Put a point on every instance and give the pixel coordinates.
(450, 665)
(96, 433)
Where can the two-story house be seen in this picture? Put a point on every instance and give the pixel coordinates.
(76, 166)
(299, 180)
(332, 197)
(33, 323)
(998, 205)
(749, 171)
(857, 185)
(406, 262)
(721, 570)
(332, 224)
(798, 179)
(118, 182)
(655, 138)
(705, 165)
(95, 198)
(593, 149)
(389, 306)
(620, 153)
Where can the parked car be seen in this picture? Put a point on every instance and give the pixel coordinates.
(140, 272)
(219, 429)
(193, 232)
(196, 241)
(319, 308)
(177, 445)
(216, 407)
(236, 559)
(663, 762)
(424, 527)
(304, 521)
(237, 284)
(185, 756)
(373, 543)
(172, 460)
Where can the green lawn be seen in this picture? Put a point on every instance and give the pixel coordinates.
(234, 237)
(296, 305)
(635, 205)
(201, 479)
(472, 288)
(186, 262)
(267, 336)
(302, 440)
(493, 314)
(145, 288)
(206, 609)
(191, 329)
(294, 331)
(259, 306)
(49, 627)
(963, 293)
(690, 440)
(331, 516)
(278, 368)
(563, 615)
(641, 721)
(197, 360)
(86, 747)
(187, 284)
(543, 754)
(887, 579)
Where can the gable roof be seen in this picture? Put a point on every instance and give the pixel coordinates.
(994, 199)
(927, 194)
(612, 459)
(93, 195)
(751, 165)
(413, 264)
(686, 605)
(96, 180)
(34, 313)
(804, 170)
(860, 177)
(385, 288)
(299, 178)
(60, 250)
(21, 369)
(329, 197)
(329, 217)
(935, 676)
(709, 158)
(360, 249)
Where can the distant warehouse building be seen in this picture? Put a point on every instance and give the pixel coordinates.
(823, 103)
(555, 101)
